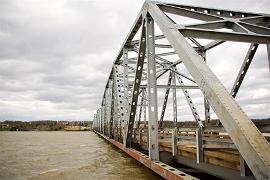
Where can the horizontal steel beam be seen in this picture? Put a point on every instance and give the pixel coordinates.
(173, 86)
(212, 11)
(224, 36)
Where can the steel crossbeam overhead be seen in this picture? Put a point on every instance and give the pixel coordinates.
(243, 30)
(162, 60)
(136, 82)
(173, 87)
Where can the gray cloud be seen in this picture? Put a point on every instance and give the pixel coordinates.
(55, 57)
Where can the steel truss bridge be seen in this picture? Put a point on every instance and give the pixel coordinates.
(232, 147)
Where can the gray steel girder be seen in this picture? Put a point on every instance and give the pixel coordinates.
(250, 142)
(152, 90)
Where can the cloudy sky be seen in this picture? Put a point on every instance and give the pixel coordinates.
(55, 56)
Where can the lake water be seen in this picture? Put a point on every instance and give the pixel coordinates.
(65, 155)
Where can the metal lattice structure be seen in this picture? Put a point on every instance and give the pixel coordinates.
(132, 86)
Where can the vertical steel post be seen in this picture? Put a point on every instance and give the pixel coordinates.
(199, 144)
(140, 137)
(206, 104)
(112, 110)
(126, 96)
(139, 117)
(174, 141)
(94, 122)
(115, 105)
(103, 118)
(105, 111)
(96, 128)
(119, 108)
(174, 101)
(109, 108)
(95, 125)
(144, 109)
(244, 169)
(99, 120)
(206, 112)
(152, 90)
(98, 112)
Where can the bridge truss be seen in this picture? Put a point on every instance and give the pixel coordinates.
(130, 96)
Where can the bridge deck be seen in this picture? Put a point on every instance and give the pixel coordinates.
(218, 149)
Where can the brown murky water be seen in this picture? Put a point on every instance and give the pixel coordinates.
(65, 155)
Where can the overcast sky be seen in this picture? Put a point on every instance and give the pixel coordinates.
(55, 56)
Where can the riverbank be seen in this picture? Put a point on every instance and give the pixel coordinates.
(45, 125)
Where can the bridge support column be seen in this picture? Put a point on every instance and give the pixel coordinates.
(152, 90)
(206, 104)
(174, 141)
(199, 144)
(174, 101)
(126, 97)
